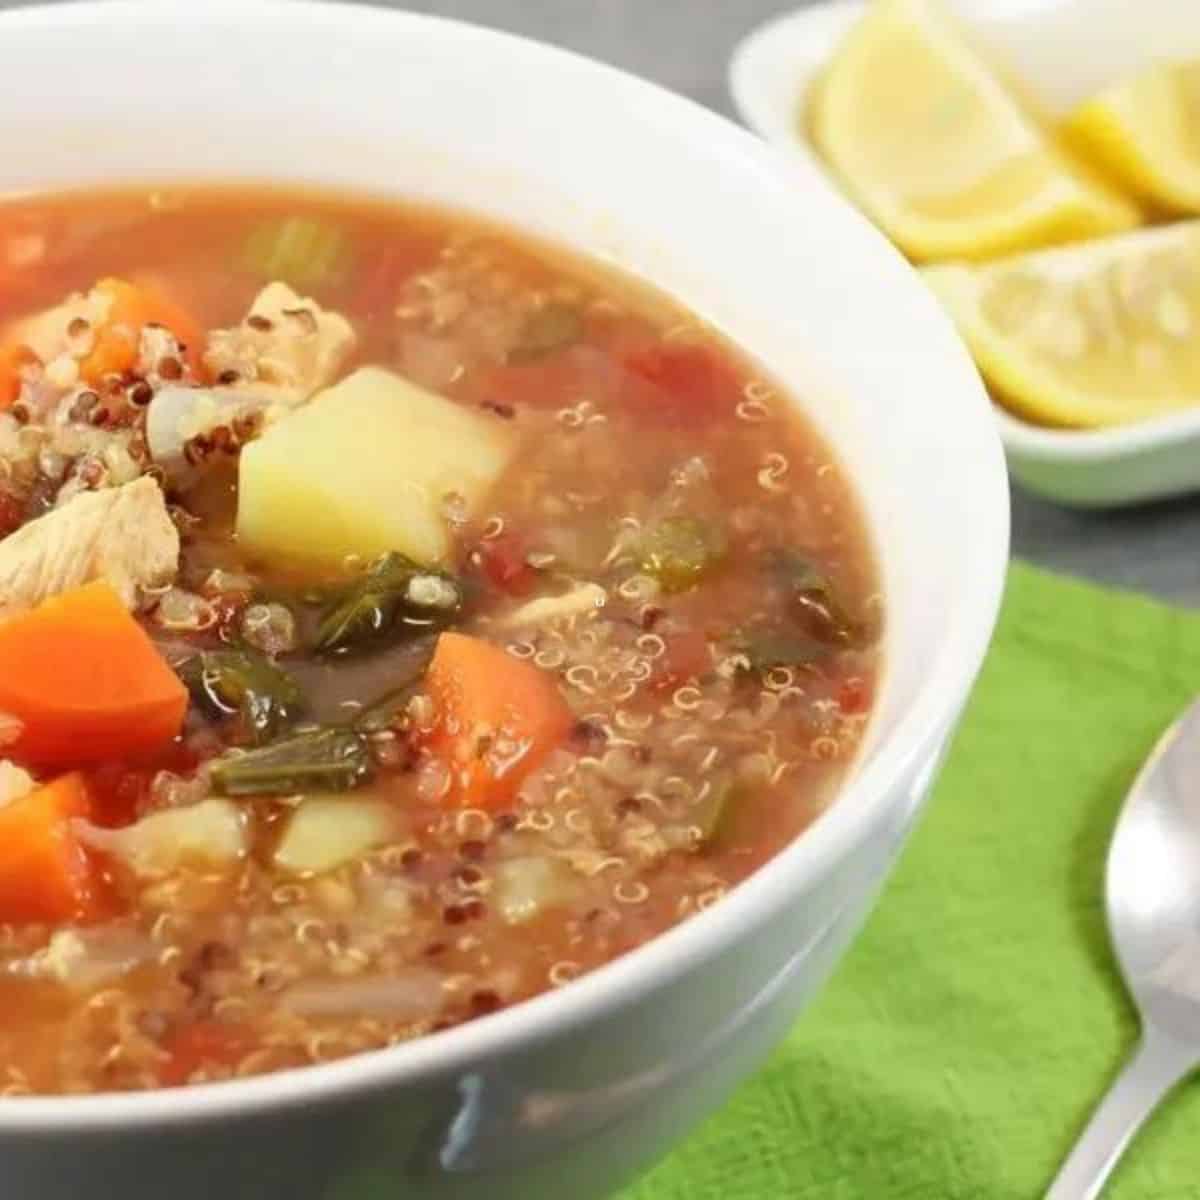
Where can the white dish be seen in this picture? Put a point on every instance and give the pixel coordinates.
(772, 70)
(578, 1089)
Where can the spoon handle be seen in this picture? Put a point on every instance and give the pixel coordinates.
(1156, 1066)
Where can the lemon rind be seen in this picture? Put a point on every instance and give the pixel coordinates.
(1081, 208)
(1110, 130)
(1022, 383)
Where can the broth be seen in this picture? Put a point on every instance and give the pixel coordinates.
(615, 594)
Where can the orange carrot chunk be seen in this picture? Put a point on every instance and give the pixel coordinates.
(45, 872)
(132, 307)
(497, 718)
(85, 682)
(117, 339)
(12, 358)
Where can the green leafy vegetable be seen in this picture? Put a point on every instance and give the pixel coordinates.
(680, 551)
(303, 251)
(395, 596)
(387, 712)
(714, 814)
(546, 330)
(767, 648)
(814, 602)
(325, 760)
(248, 686)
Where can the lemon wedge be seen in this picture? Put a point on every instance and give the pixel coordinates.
(930, 144)
(1146, 131)
(1101, 333)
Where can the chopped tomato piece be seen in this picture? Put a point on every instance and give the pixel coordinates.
(854, 695)
(12, 513)
(120, 792)
(12, 359)
(502, 561)
(686, 657)
(681, 385)
(203, 1044)
(382, 280)
(548, 383)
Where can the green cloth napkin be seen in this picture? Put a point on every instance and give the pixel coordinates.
(964, 1040)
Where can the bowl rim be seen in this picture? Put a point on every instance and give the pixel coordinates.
(815, 29)
(866, 800)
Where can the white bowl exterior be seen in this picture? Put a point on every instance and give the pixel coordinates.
(397, 104)
(1109, 467)
(773, 69)
(586, 1108)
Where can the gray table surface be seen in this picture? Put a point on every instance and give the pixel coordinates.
(684, 45)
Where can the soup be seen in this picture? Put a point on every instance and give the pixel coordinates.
(401, 618)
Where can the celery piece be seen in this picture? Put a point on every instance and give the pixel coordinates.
(303, 251)
(546, 331)
(680, 551)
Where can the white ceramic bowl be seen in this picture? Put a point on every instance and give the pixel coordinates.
(1063, 51)
(591, 1083)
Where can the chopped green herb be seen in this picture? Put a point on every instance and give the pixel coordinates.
(324, 760)
(246, 685)
(387, 712)
(680, 551)
(814, 602)
(394, 597)
(302, 251)
(767, 648)
(548, 329)
(713, 815)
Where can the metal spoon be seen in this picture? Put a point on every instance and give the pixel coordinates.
(1153, 900)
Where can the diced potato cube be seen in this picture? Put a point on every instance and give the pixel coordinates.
(212, 833)
(526, 887)
(327, 831)
(365, 468)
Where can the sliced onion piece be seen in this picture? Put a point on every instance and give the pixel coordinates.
(88, 958)
(411, 994)
(177, 415)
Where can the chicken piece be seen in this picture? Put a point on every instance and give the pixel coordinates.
(122, 535)
(585, 599)
(46, 335)
(288, 345)
(189, 428)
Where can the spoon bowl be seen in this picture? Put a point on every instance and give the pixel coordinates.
(1153, 883)
(1153, 901)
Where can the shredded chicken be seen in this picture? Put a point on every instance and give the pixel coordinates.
(189, 426)
(123, 535)
(45, 333)
(57, 348)
(87, 958)
(586, 598)
(288, 345)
